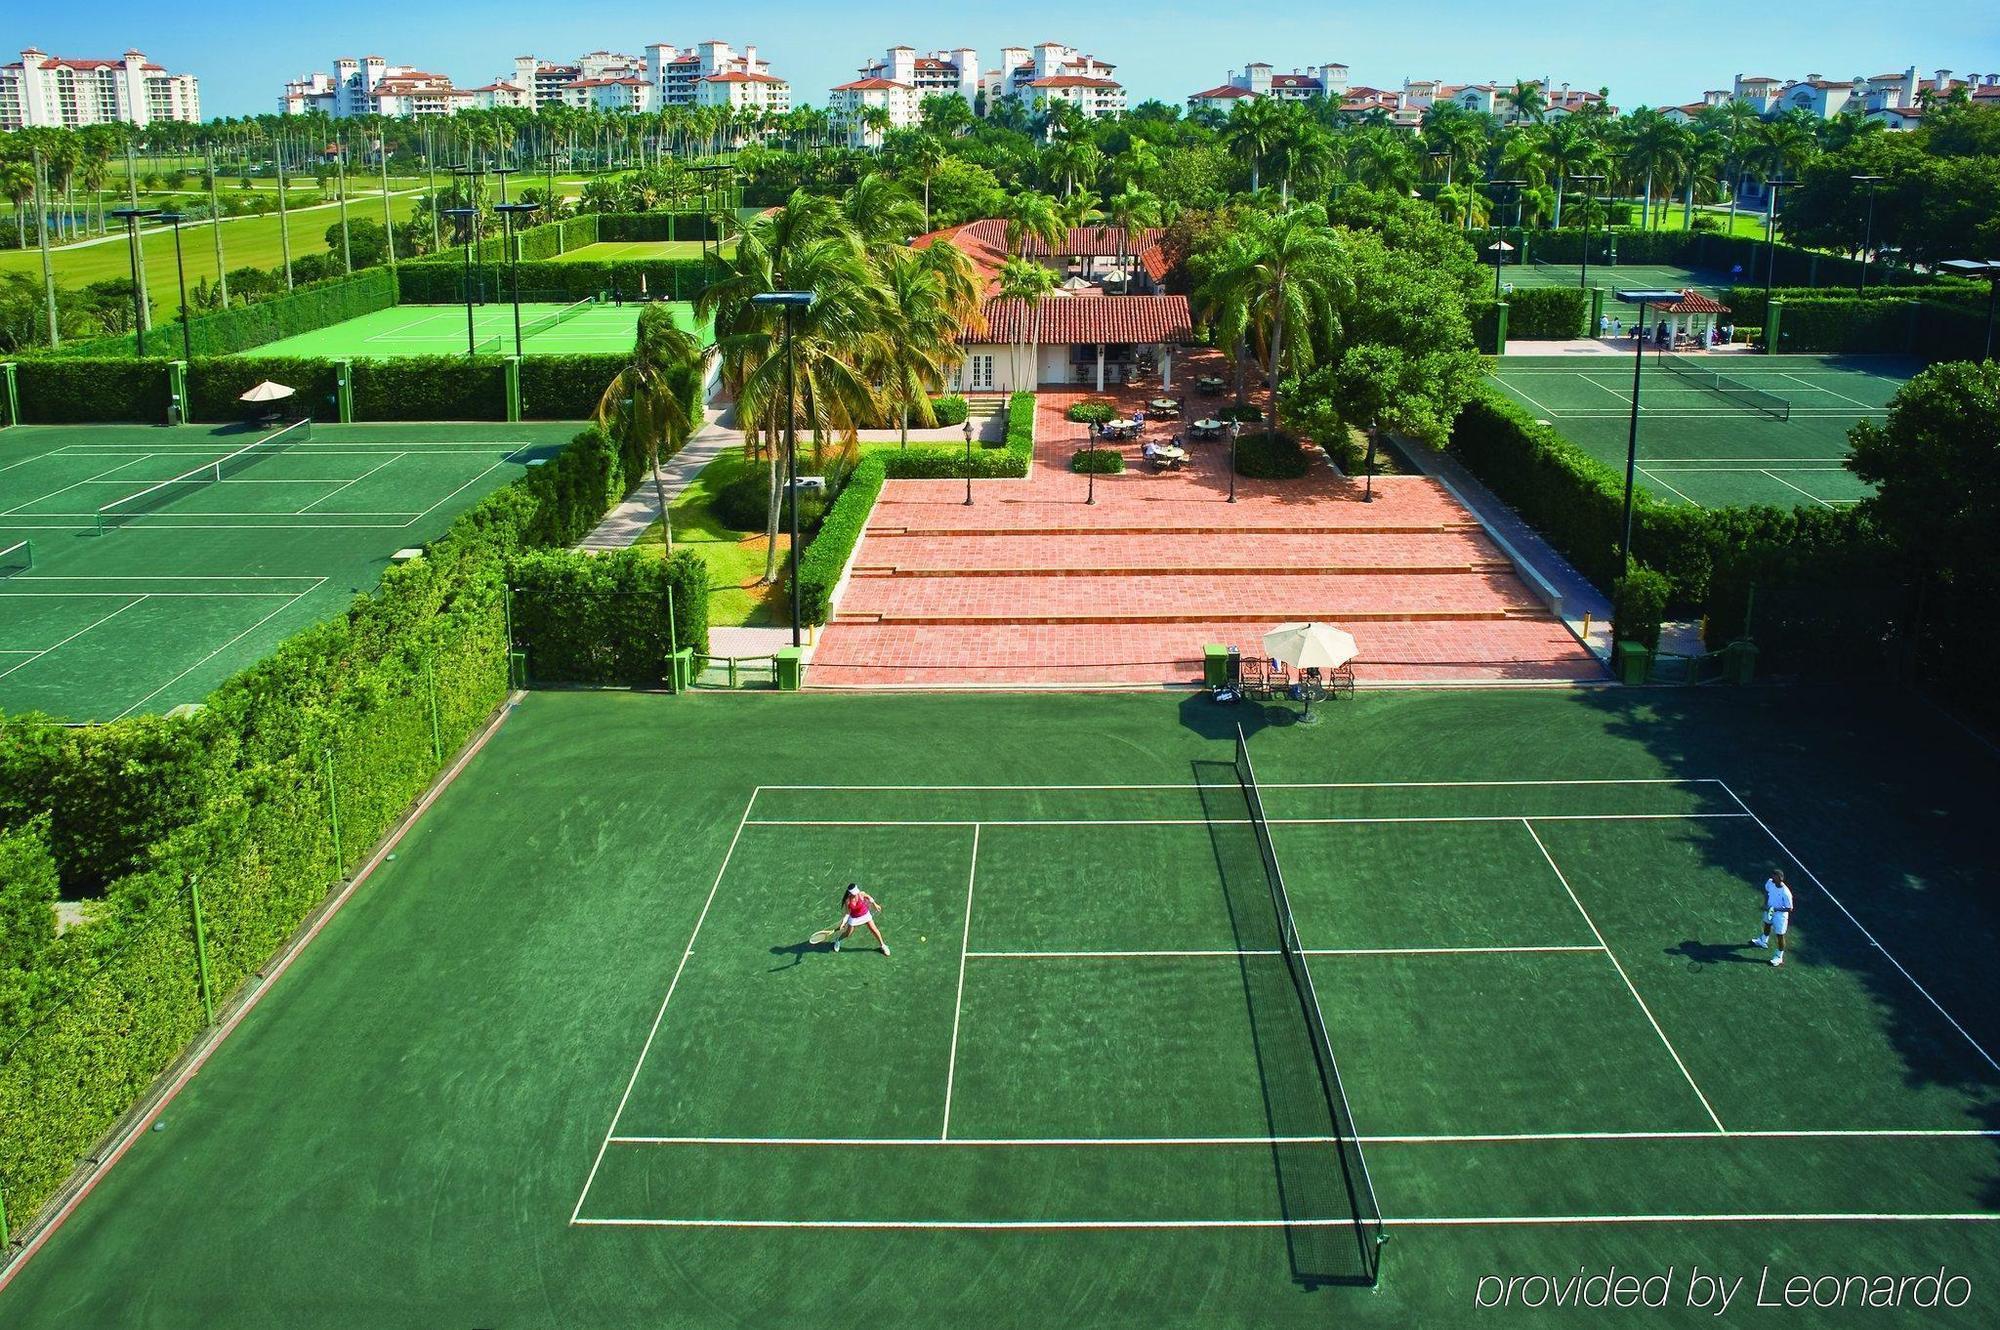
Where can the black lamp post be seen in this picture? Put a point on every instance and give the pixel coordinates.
(968, 462)
(1868, 234)
(465, 217)
(503, 172)
(1989, 269)
(1590, 183)
(1499, 249)
(1515, 187)
(1775, 183)
(1641, 299)
(132, 216)
(789, 301)
(1368, 466)
(508, 211)
(1090, 467)
(180, 274)
(1235, 430)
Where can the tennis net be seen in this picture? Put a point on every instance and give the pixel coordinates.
(16, 558)
(167, 492)
(557, 319)
(1360, 1188)
(1751, 399)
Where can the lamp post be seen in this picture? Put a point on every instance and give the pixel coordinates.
(1090, 467)
(968, 462)
(789, 301)
(1235, 431)
(1989, 269)
(1368, 467)
(132, 216)
(508, 211)
(1514, 186)
(465, 218)
(1775, 183)
(503, 172)
(1499, 249)
(1868, 234)
(1642, 299)
(180, 274)
(1590, 184)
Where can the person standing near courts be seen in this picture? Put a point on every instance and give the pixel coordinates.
(857, 908)
(1777, 916)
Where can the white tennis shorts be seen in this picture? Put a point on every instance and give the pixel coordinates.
(1779, 920)
(856, 920)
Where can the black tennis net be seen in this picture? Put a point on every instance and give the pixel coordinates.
(1361, 1188)
(1753, 399)
(16, 559)
(168, 492)
(557, 318)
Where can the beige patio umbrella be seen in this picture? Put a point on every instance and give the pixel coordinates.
(268, 391)
(1309, 646)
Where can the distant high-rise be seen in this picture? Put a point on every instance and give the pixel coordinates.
(43, 90)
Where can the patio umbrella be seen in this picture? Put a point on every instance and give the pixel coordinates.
(267, 391)
(1306, 646)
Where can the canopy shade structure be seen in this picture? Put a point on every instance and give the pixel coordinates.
(268, 391)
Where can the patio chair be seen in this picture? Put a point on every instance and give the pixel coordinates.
(1253, 679)
(1340, 680)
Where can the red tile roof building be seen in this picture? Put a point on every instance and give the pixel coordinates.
(41, 90)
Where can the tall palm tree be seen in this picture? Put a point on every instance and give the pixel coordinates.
(1570, 149)
(926, 157)
(1282, 284)
(1252, 132)
(17, 182)
(1528, 100)
(881, 212)
(657, 394)
(1655, 153)
(1031, 216)
(1030, 283)
(1131, 212)
(912, 356)
(1380, 158)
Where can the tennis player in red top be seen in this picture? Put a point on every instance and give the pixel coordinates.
(857, 909)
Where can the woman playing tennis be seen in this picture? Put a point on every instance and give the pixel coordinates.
(857, 909)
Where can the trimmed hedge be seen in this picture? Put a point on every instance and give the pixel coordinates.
(1547, 313)
(431, 388)
(569, 387)
(215, 384)
(1270, 456)
(1638, 604)
(308, 308)
(442, 281)
(949, 410)
(355, 714)
(64, 390)
(822, 562)
(1103, 461)
(1090, 413)
(612, 619)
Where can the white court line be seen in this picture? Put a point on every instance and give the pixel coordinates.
(1817, 388)
(661, 1015)
(455, 493)
(1649, 475)
(151, 595)
(1623, 397)
(87, 480)
(1285, 785)
(958, 1003)
(1787, 851)
(171, 577)
(393, 457)
(1448, 1138)
(1304, 951)
(1235, 821)
(72, 637)
(1402, 1221)
(219, 650)
(1632, 988)
(1550, 412)
(1790, 486)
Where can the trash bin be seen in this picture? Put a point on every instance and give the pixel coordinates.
(1739, 661)
(680, 670)
(1632, 660)
(1217, 664)
(517, 669)
(791, 667)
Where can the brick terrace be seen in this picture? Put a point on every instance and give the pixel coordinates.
(1030, 587)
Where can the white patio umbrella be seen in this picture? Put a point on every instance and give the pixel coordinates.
(1308, 646)
(268, 391)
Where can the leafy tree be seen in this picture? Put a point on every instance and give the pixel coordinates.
(656, 395)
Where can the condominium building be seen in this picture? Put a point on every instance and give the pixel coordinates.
(43, 90)
(360, 87)
(1053, 72)
(1402, 107)
(1259, 79)
(897, 84)
(1898, 100)
(713, 74)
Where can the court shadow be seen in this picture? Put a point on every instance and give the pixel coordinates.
(798, 951)
(1202, 714)
(1698, 953)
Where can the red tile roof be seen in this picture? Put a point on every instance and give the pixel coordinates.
(1072, 81)
(1226, 90)
(1693, 302)
(1089, 320)
(738, 76)
(868, 85)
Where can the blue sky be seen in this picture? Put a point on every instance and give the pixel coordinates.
(1648, 53)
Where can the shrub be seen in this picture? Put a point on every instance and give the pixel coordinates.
(1091, 413)
(610, 619)
(61, 390)
(1103, 461)
(950, 410)
(744, 504)
(1552, 313)
(431, 388)
(1270, 456)
(1638, 604)
(27, 902)
(568, 387)
(1245, 414)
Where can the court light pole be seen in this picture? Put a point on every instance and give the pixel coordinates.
(968, 461)
(789, 301)
(180, 275)
(1499, 249)
(1590, 184)
(466, 218)
(1989, 270)
(508, 212)
(1868, 233)
(131, 217)
(1642, 299)
(1774, 184)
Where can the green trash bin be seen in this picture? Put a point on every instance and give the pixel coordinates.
(1215, 664)
(1632, 660)
(1739, 662)
(791, 666)
(680, 670)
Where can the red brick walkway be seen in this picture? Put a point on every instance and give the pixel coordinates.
(1032, 587)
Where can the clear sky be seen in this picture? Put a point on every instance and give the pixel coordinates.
(1658, 53)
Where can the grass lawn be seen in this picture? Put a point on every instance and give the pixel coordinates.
(736, 559)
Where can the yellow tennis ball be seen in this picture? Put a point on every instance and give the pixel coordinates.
(923, 939)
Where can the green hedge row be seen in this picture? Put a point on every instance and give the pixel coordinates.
(312, 306)
(59, 390)
(613, 619)
(1944, 322)
(821, 562)
(442, 281)
(1547, 313)
(268, 796)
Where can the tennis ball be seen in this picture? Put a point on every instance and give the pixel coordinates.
(923, 939)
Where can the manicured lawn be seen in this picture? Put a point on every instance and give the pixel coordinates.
(736, 559)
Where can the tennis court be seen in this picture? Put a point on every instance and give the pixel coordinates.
(1087, 1086)
(157, 562)
(1613, 276)
(1773, 431)
(620, 251)
(579, 327)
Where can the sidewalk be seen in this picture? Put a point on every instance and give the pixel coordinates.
(623, 525)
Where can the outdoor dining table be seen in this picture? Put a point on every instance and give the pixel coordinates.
(1209, 387)
(1166, 452)
(1165, 406)
(1207, 428)
(1120, 427)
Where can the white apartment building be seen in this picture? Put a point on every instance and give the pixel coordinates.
(1259, 79)
(1403, 108)
(1053, 72)
(1895, 99)
(898, 83)
(50, 91)
(706, 74)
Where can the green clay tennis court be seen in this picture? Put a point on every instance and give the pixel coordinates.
(1619, 276)
(143, 593)
(568, 1057)
(1717, 447)
(592, 328)
(626, 251)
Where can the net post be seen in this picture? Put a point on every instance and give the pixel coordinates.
(333, 815)
(201, 949)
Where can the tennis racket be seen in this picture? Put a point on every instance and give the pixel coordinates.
(824, 935)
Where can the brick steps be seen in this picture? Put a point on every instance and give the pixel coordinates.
(1211, 570)
(890, 526)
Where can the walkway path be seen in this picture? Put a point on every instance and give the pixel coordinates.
(623, 525)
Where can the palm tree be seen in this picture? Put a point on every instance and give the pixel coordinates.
(1570, 149)
(1656, 152)
(926, 157)
(657, 395)
(1029, 283)
(1281, 282)
(913, 353)
(1380, 158)
(1131, 212)
(1528, 100)
(1304, 154)
(881, 212)
(1252, 132)
(1137, 167)
(17, 182)
(1031, 216)
(1072, 161)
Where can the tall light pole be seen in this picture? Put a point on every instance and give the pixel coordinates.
(789, 301)
(1641, 299)
(1368, 466)
(1774, 184)
(1989, 269)
(1590, 184)
(180, 273)
(132, 216)
(1867, 235)
(508, 211)
(470, 176)
(466, 218)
